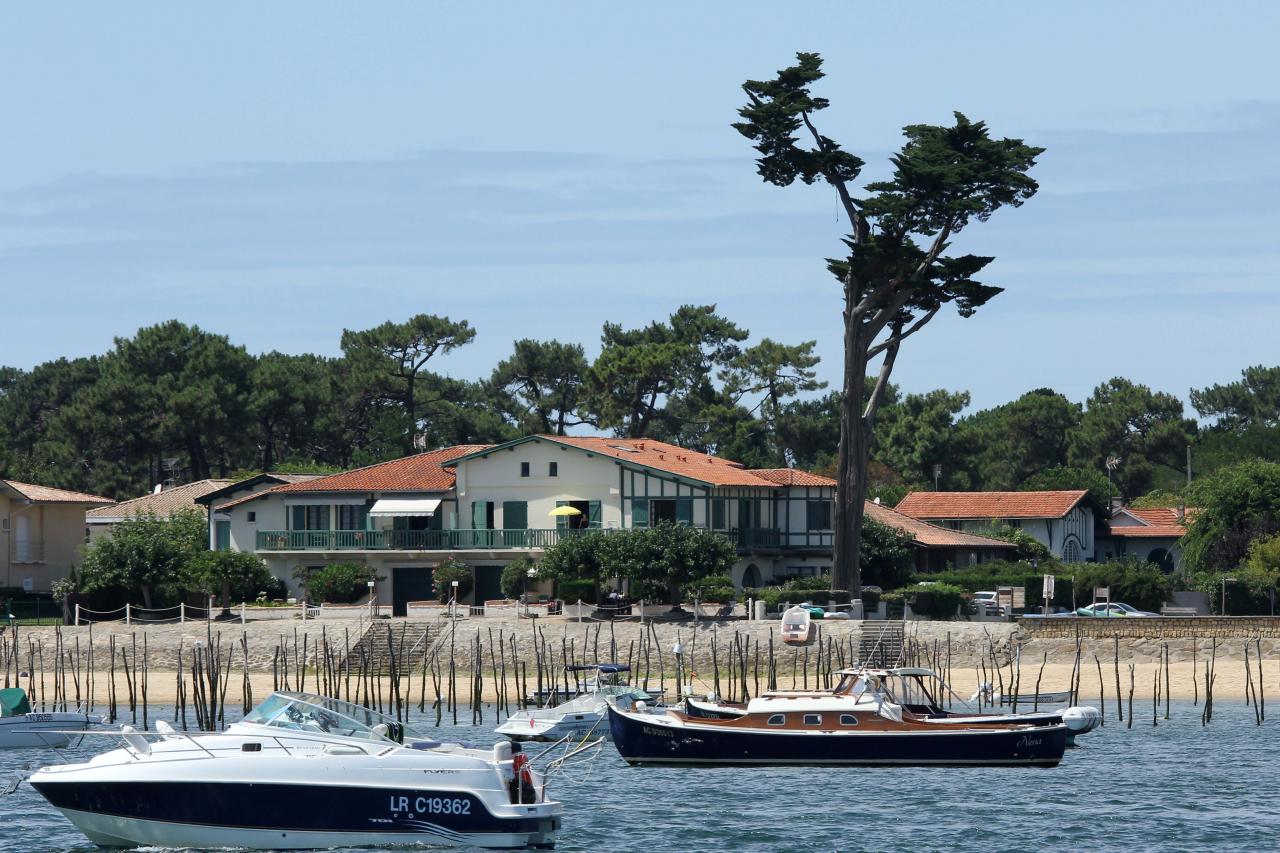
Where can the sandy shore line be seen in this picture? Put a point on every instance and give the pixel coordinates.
(1185, 683)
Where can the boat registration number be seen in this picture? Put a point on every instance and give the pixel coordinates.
(431, 805)
(40, 718)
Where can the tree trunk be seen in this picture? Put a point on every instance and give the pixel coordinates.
(146, 596)
(673, 594)
(226, 596)
(410, 405)
(855, 450)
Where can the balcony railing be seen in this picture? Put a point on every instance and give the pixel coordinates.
(744, 539)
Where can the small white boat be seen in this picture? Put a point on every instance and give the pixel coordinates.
(582, 714)
(22, 728)
(797, 627)
(302, 771)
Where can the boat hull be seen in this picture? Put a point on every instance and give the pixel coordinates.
(273, 816)
(37, 730)
(642, 742)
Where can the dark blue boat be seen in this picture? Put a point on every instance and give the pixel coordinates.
(846, 739)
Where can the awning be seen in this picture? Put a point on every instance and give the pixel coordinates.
(388, 507)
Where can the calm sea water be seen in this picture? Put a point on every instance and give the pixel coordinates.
(1173, 787)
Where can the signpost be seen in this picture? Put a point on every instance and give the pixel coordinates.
(1047, 592)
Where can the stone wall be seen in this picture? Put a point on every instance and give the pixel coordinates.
(1165, 627)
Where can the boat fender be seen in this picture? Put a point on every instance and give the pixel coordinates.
(136, 741)
(640, 706)
(1082, 718)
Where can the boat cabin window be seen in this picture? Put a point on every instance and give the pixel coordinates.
(848, 720)
(813, 719)
(777, 720)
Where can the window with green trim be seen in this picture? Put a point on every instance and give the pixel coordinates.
(310, 517)
(718, 514)
(818, 515)
(640, 512)
(222, 535)
(352, 516)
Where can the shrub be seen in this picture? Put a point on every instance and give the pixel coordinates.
(571, 591)
(1135, 582)
(712, 588)
(935, 600)
(996, 573)
(1028, 547)
(446, 573)
(515, 577)
(339, 583)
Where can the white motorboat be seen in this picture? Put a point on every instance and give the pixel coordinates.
(797, 626)
(302, 771)
(22, 728)
(580, 715)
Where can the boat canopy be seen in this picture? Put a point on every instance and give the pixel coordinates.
(598, 667)
(13, 701)
(309, 712)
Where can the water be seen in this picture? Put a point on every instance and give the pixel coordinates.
(1174, 787)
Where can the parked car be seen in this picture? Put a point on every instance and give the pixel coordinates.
(1115, 608)
(988, 597)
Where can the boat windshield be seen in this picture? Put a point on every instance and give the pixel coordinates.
(310, 713)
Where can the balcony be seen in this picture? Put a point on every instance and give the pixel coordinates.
(409, 540)
(746, 540)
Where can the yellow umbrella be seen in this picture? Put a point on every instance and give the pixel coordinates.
(565, 510)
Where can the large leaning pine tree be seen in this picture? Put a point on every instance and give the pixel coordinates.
(896, 275)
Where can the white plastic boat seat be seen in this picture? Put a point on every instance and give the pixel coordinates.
(137, 742)
(379, 732)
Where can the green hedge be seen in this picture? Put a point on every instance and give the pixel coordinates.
(935, 600)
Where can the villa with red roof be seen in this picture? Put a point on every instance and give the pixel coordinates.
(42, 531)
(488, 505)
(1063, 521)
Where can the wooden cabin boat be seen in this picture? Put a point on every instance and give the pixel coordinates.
(860, 722)
(909, 686)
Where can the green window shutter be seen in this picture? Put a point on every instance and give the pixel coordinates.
(322, 517)
(593, 514)
(222, 535)
(562, 521)
(479, 515)
(299, 514)
(684, 511)
(717, 513)
(639, 512)
(813, 515)
(515, 515)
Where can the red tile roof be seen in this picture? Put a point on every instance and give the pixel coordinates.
(48, 495)
(666, 457)
(792, 477)
(929, 535)
(163, 503)
(421, 472)
(983, 505)
(1155, 531)
(1154, 523)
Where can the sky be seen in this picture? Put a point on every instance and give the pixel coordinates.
(279, 172)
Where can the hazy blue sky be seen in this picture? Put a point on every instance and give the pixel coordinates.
(279, 171)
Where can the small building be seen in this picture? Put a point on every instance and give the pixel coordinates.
(939, 548)
(42, 532)
(1062, 521)
(1153, 535)
(162, 503)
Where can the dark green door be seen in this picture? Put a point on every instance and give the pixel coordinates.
(410, 583)
(488, 584)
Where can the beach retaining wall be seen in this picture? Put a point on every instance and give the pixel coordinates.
(1163, 628)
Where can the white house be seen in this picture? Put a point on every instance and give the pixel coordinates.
(489, 505)
(1153, 535)
(1063, 521)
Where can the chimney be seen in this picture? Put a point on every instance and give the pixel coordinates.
(158, 489)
